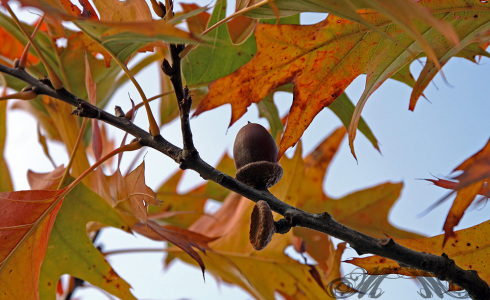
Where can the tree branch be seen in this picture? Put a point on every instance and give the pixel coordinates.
(441, 266)
(184, 100)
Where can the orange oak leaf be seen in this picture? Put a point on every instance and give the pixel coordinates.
(179, 209)
(472, 182)
(123, 11)
(228, 223)
(475, 168)
(234, 260)
(321, 60)
(129, 195)
(11, 47)
(464, 198)
(25, 226)
(45, 181)
(63, 9)
(455, 185)
(365, 210)
(184, 209)
(470, 250)
(139, 194)
(198, 23)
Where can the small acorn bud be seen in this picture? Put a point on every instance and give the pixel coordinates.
(262, 226)
(255, 154)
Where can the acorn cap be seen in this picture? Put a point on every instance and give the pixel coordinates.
(260, 174)
(262, 226)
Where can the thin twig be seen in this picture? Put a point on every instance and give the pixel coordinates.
(184, 100)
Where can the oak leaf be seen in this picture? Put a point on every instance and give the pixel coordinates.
(233, 259)
(70, 251)
(182, 238)
(26, 223)
(179, 209)
(334, 52)
(183, 209)
(365, 210)
(12, 48)
(196, 65)
(124, 26)
(129, 194)
(470, 250)
(261, 277)
(200, 71)
(473, 181)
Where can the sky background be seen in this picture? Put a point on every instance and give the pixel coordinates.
(442, 132)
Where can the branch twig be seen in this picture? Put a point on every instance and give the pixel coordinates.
(183, 98)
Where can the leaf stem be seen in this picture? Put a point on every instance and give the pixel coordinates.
(55, 80)
(128, 147)
(72, 156)
(154, 128)
(188, 48)
(23, 58)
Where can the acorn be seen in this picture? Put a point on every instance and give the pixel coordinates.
(255, 155)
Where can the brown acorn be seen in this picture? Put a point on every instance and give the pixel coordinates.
(255, 154)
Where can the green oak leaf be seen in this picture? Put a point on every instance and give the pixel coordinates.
(70, 251)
